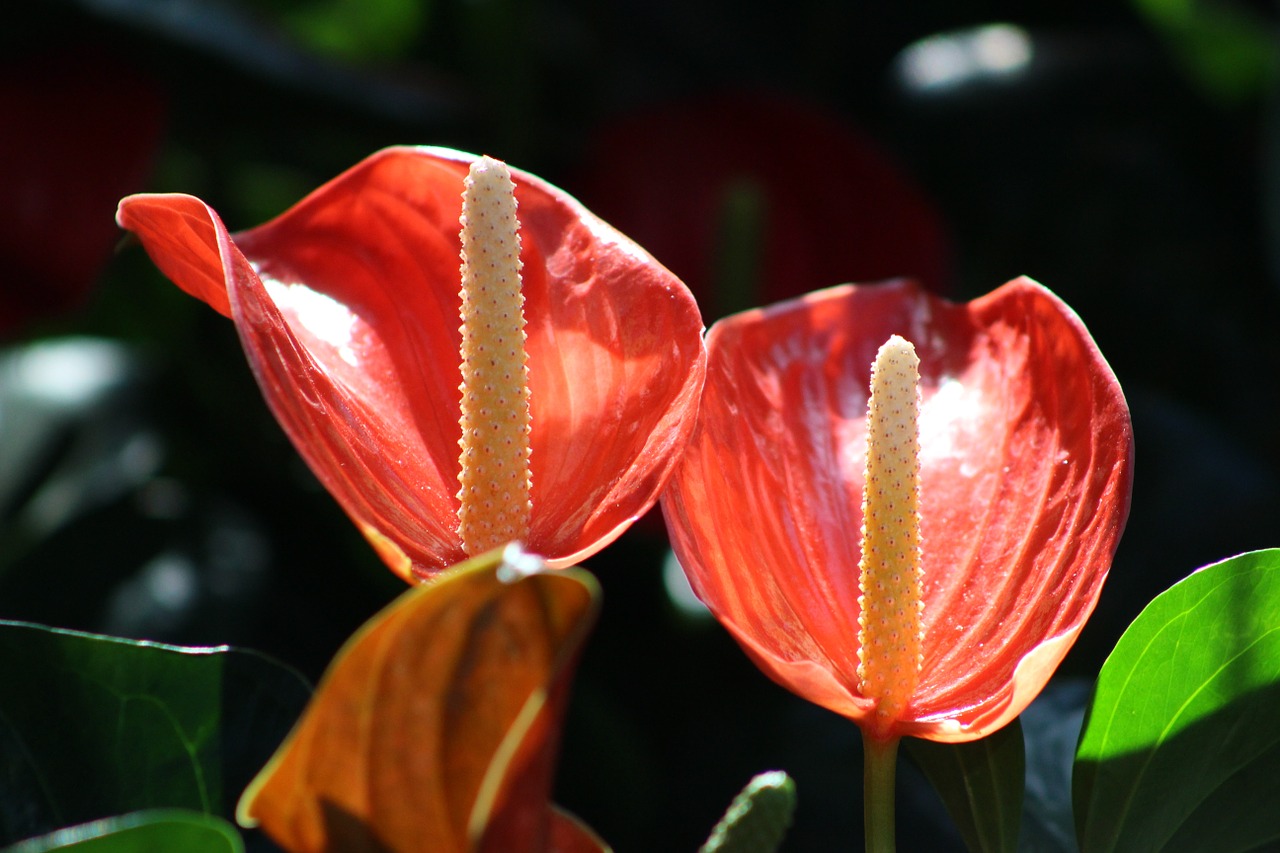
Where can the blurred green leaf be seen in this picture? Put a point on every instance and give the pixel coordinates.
(94, 726)
(356, 29)
(980, 782)
(741, 223)
(1227, 48)
(156, 831)
(1181, 743)
(72, 438)
(758, 818)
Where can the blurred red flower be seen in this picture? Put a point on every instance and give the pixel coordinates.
(753, 197)
(81, 130)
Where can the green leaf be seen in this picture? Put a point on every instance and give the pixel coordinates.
(757, 819)
(142, 832)
(1181, 745)
(981, 783)
(94, 726)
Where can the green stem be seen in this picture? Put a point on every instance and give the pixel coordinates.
(880, 764)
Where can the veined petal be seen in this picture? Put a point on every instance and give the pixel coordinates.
(438, 723)
(348, 303)
(616, 365)
(180, 234)
(1026, 466)
(1055, 469)
(325, 371)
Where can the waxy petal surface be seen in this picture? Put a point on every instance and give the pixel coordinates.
(347, 306)
(1026, 469)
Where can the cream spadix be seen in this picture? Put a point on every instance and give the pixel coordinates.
(495, 479)
(890, 638)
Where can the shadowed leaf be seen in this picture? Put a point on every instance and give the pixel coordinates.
(1180, 746)
(981, 783)
(93, 726)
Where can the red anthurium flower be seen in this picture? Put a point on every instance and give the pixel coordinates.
(1024, 472)
(348, 309)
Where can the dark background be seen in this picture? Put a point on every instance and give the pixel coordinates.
(1123, 154)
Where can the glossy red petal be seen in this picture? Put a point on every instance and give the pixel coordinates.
(181, 235)
(343, 415)
(1026, 470)
(616, 365)
(348, 307)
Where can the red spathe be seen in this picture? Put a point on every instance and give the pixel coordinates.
(1026, 470)
(348, 309)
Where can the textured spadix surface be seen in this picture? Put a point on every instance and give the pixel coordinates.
(1026, 468)
(494, 481)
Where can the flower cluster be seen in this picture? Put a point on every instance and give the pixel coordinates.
(921, 571)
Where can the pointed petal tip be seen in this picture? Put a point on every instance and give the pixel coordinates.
(184, 237)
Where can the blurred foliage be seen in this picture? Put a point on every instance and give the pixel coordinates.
(1228, 48)
(353, 29)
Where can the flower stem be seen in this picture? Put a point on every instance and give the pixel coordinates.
(880, 764)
